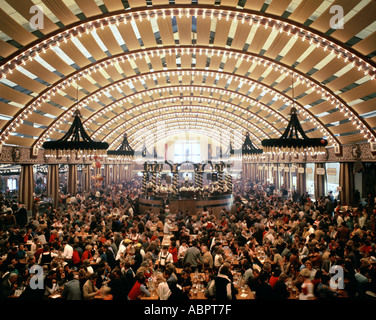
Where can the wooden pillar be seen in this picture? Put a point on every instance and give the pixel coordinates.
(107, 175)
(26, 186)
(346, 183)
(301, 183)
(72, 179)
(86, 172)
(319, 180)
(53, 183)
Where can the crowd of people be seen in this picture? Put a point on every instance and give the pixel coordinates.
(98, 245)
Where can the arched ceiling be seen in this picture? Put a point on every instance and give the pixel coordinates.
(160, 67)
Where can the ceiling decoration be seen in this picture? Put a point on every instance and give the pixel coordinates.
(162, 67)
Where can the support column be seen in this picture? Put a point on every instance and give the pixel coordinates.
(301, 184)
(175, 182)
(154, 180)
(72, 179)
(228, 179)
(115, 173)
(86, 171)
(319, 181)
(198, 179)
(107, 175)
(144, 175)
(346, 182)
(53, 183)
(26, 186)
(220, 181)
(286, 176)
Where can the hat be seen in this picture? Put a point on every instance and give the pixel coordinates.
(127, 241)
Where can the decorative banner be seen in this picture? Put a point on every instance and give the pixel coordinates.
(293, 169)
(320, 171)
(280, 168)
(331, 171)
(286, 169)
(309, 170)
(275, 168)
(300, 170)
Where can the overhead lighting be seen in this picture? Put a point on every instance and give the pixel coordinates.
(249, 150)
(124, 152)
(294, 140)
(76, 142)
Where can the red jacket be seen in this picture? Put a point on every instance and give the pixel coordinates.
(135, 291)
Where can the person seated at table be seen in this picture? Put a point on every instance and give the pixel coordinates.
(280, 290)
(323, 290)
(186, 282)
(177, 292)
(263, 289)
(209, 285)
(50, 283)
(8, 286)
(246, 270)
(164, 257)
(170, 276)
(224, 288)
(139, 288)
(168, 226)
(89, 289)
(163, 290)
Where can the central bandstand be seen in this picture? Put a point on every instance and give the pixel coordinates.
(192, 195)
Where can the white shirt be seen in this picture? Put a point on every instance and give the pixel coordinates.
(167, 228)
(121, 250)
(68, 252)
(164, 259)
(163, 291)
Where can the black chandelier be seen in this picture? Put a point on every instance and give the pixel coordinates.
(76, 142)
(230, 151)
(249, 150)
(146, 154)
(294, 140)
(124, 152)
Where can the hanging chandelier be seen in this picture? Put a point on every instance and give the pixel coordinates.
(230, 151)
(146, 154)
(124, 152)
(294, 140)
(249, 150)
(76, 142)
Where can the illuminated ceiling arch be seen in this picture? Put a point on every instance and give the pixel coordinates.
(260, 38)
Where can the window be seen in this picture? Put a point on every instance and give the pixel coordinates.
(187, 151)
(310, 179)
(12, 184)
(332, 176)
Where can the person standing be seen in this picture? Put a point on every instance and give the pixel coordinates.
(193, 256)
(72, 289)
(21, 215)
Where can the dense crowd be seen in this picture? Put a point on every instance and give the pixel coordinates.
(98, 245)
